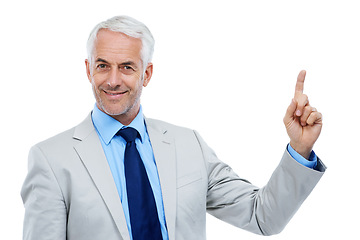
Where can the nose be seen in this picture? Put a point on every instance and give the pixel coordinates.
(114, 78)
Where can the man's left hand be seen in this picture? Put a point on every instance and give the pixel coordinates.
(303, 122)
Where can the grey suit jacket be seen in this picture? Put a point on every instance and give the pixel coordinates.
(69, 192)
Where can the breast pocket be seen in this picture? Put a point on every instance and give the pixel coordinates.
(191, 199)
(188, 179)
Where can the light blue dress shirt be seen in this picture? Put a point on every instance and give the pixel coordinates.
(114, 148)
(311, 163)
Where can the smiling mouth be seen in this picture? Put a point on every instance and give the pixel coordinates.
(114, 93)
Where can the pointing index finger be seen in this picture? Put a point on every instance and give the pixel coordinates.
(299, 88)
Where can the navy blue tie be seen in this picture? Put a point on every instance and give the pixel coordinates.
(144, 218)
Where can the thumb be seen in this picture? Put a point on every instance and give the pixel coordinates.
(289, 116)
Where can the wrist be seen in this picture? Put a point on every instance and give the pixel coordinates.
(302, 150)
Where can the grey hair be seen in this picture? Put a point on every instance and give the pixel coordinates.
(130, 27)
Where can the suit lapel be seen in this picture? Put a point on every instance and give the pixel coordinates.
(164, 152)
(92, 155)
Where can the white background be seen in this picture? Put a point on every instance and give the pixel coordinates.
(225, 68)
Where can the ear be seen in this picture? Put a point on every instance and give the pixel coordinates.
(148, 74)
(87, 64)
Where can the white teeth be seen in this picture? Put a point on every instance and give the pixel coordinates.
(113, 94)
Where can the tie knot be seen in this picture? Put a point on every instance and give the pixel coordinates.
(129, 134)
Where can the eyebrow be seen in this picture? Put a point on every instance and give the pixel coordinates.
(128, 63)
(101, 60)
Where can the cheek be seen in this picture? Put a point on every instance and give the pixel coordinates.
(138, 88)
(95, 89)
(133, 83)
(95, 83)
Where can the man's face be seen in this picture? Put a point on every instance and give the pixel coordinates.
(117, 74)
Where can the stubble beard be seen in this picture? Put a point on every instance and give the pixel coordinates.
(127, 107)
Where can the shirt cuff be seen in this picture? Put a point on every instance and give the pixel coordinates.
(311, 163)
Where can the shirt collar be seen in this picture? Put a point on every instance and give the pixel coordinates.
(107, 126)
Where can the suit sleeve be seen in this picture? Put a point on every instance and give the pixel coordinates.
(45, 211)
(264, 211)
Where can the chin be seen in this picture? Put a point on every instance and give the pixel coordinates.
(114, 111)
(120, 108)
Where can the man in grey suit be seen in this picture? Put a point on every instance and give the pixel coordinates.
(76, 184)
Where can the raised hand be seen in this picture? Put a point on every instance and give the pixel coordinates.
(303, 122)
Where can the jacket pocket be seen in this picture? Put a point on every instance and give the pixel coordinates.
(188, 179)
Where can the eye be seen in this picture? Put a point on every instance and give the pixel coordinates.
(127, 69)
(101, 66)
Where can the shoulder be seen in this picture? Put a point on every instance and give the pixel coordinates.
(68, 138)
(183, 136)
(165, 127)
(59, 142)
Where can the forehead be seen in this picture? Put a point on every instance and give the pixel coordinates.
(116, 45)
